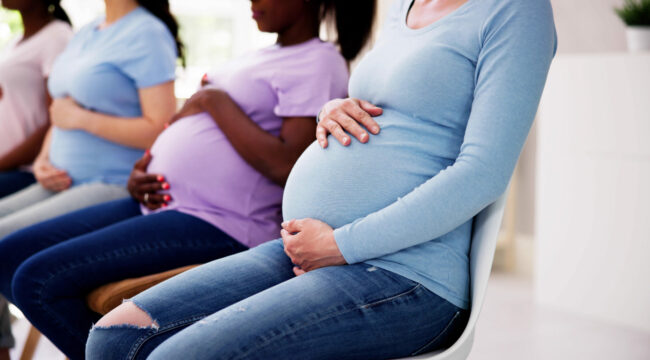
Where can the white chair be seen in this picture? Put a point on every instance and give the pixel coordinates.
(484, 240)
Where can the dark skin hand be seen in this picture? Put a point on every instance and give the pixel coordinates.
(272, 156)
(141, 183)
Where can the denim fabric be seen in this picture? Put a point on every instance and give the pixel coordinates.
(48, 269)
(251, 306)
(12, 181)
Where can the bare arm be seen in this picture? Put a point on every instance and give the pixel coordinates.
(270, 155)
(158, 106)
(25, 153)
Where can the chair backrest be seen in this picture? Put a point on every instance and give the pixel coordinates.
(484, 241)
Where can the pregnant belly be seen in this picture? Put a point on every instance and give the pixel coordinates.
(201, 166)
(340, 184)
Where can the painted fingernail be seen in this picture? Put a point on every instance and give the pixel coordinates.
(164, 205)
(167, 198)
(165, 186)
(147, 152)
(160, 178)
(166, 125)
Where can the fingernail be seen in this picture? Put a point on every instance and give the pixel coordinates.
(166, 125)
(147, 152)
(165, 186)
(345, 140)
(364, 136)
(167, 198)
(375, 129)
(160, 178)
(284, 223)
(164, 205)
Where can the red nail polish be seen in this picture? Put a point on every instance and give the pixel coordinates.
(147, 152)
(160, 178)
(165, 186)
(166, 125)
(167, 197)
(164, 205)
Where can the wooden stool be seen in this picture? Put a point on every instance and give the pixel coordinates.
(106, 298)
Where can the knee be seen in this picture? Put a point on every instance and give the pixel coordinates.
(117, 332)
(126, 314)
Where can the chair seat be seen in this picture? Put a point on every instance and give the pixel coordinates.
(109, 296)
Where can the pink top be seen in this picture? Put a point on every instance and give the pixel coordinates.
(208, 178)
(24, 65)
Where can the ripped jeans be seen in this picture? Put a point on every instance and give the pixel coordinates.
(251, 306)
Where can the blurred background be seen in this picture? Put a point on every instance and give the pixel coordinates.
(571, 278)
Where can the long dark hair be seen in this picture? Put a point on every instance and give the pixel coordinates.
(353, 20)
(54, 8)
(160, 9)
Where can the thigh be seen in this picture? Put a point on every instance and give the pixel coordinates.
(140, 245)
(23, 244)
(47, 207)
(211, 287)
(22, 199)
(347, 312)
(13, 181)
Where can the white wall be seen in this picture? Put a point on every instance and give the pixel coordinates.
(593, 215)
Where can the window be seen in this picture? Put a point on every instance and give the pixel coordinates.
(213, 32)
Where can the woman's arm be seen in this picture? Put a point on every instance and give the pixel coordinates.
(270, 155)
(510, 76)
(158, 106)
(25, 152)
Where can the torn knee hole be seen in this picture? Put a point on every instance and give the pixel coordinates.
(127, 315)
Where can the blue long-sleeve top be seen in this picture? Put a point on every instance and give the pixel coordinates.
(459, 97)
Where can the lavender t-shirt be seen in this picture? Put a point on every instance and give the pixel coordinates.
(208, 178)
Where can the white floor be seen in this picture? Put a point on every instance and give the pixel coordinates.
(511, 327)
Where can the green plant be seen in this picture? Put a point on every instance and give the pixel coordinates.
(635, 12)
(10, 25)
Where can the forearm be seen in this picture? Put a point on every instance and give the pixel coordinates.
(268, 154)
(137, 132)
(25, 152)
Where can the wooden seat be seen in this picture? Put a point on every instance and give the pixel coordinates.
(109, 296)
(106, 298)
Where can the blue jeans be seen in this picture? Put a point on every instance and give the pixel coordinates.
(251, 306)
(15, 180)
(48, 269)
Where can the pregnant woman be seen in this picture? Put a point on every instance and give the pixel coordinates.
(25, 65)
(113, 90)
(211, 185)
(373, 261)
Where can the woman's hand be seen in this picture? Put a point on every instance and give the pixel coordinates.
(50, 177)
(341, 115)
(310, 244)
(144, 187)
(65, 113)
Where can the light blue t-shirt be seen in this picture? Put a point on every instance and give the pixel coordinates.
(102, 70)
(459, 97)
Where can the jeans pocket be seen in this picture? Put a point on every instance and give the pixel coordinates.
(447, 336)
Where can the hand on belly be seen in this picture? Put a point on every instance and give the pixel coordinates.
(310, 244)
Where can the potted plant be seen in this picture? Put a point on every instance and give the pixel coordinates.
(636, 15)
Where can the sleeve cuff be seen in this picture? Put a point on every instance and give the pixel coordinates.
(344, 241)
